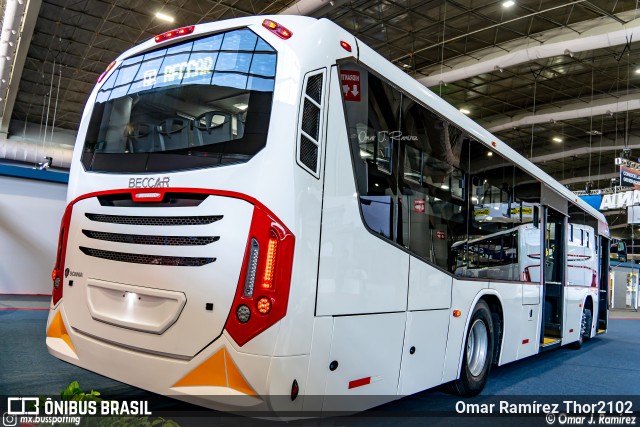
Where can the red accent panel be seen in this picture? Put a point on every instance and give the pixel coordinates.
(263, 227)
(360, 382)
(525, 341)
(58, 269)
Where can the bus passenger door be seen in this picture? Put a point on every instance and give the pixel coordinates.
(553, 269)
(603, 285)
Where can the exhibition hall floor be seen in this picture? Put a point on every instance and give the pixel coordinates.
(608, 365)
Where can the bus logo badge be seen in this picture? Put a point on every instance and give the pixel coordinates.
(350, 85)
(151, 182)
(418, 205)
(66, 272)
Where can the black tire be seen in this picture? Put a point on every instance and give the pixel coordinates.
(475, 367)
(585, 329)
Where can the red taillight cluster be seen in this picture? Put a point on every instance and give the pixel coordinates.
(262, 294)
(526, 276)
(57, 275)
(277, 29)
(178, 32)
(594, 279)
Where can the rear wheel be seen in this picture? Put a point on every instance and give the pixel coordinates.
(478, 354)
(585, 329)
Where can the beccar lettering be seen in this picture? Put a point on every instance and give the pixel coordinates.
(152, 182)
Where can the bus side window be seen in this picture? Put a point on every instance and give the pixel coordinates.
(372, 122)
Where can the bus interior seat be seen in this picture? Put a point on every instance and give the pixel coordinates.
(212, 127)
(174, 133)
(141, 138)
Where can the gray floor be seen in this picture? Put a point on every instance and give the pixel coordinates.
(608, 365)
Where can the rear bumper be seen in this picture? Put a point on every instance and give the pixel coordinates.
(218, 377)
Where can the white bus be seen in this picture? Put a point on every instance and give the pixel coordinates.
(265, 207)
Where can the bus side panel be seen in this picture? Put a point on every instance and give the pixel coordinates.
(295, 333)
(429, 288)
(574, 297)
(367, 350)
(530, 318)
(464, 295)
(426, 334)
(511, 299)
(359, 272)
(319, 361)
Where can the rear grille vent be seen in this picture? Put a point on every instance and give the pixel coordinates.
(314, 87)
(311, 119)
(147, 259)
(308, 152)
(139, 239)
(154, 220)
(310, 126)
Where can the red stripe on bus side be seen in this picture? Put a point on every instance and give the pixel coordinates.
(360, 382)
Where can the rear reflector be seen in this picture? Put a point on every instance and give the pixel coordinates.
(360, 382)
(346, 46)
(178, 32)
(277, 29)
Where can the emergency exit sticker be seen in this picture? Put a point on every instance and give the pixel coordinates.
(350, 85)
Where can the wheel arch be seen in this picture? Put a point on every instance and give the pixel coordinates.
(494, 301)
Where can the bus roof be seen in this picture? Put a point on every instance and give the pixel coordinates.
(299, 26)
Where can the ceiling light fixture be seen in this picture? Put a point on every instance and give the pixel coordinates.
(638, 71)
(465, 111)
(241, 106)
(508, 3)
(556, 139)
(489, 154)
(164, 17)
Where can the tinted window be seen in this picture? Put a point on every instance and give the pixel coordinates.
(425, 184)
(196, 104)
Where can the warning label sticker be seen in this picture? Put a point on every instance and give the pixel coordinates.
(350, 85)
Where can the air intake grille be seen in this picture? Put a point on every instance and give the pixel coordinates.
(147, 259)
(314, 87)
(310, 130)
(154, 220)
(139, 239)
(311, 119)
(308, 152)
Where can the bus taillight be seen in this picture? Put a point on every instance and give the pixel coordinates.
(268, 259)
(270, 265)
(57, 275)
(178, 32)
(277, 29)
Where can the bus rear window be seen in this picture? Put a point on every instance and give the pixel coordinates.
(202, 103)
